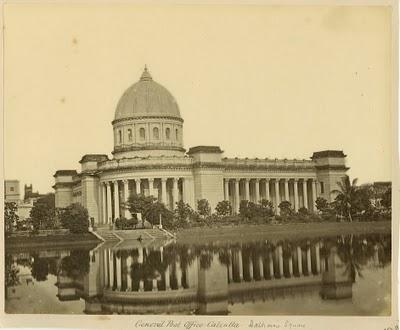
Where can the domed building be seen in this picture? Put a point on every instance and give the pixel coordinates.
(149, 158)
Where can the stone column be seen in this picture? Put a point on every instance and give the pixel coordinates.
(314, 194)
(230, 274)
(271, 265)
(151, 187)
(109, 202)
(267, 197)
(118, 272)
(305, 196)
(280, 256)
(237, 196)
(317, 258)
(141, 286)
(299, 261)
(309, 270)
(128, 274)
(175, 191)
(240, 266)
(277, 197)
(257, 190)
(261, 267)
(140, 257)
(296, 195)
(116, 200)
(155, 285)
(251, 269)
(137, 184)
(247, 189)
(167, 279)
(178, 274)
(290, 266)
(104, 202)
(126, 197)
(106, 269)
(111, 264)
(164, 191)
(287, 190)
(226, 189)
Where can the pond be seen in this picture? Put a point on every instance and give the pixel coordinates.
(337, 275)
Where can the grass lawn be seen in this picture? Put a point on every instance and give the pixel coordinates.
(56, 240)
(278, 231)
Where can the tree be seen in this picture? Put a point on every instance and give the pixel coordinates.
(223, 208)
(10, 216)
(346, 195)
(75, 218)
(43, 214)
(386, 200)
(183, 213)
(203, 207)
(285, 208)
(139, 203)
(321, 204)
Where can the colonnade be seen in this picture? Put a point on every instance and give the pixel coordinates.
(114, 194)
(273, 265)
(118, 275)
(300, 192)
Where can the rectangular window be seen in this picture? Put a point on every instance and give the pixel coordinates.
(11, 188)
(322, 187)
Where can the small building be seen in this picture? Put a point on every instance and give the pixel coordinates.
(11, 191)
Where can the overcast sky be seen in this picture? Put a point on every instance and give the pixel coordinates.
(259, 81)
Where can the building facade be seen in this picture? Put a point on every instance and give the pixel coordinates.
(149, 158)
(11, 191)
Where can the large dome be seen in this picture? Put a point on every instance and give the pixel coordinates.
(146, 98)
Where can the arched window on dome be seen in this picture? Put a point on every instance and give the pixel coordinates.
(168, 133)
(156, 133)
(129, 135)
(176, 134)
(119, 136)
(142, 133)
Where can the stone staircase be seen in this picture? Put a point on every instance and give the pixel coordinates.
(105, 234)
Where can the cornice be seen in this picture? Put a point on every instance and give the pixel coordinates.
(116, 121)
(146, 147)
(332, 168)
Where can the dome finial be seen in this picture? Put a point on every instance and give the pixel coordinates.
(146, 74)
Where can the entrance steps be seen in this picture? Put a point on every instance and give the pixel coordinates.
(107, 234)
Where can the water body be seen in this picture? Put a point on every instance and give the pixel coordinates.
(337, 275)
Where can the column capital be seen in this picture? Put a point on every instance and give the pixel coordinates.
(175, 179)
(107, 183)
(151, 179)
(285, 180)
(247, 179)
(125, 181)
(267, 179)
(257, 179)
(164, 179)
(137, 180)
(115, 183)
(296, 180)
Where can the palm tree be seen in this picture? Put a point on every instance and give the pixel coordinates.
(346, 194)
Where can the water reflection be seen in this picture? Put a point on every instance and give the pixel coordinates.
(202, 279)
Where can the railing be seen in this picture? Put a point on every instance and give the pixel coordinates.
(145, 162)
(255, 162)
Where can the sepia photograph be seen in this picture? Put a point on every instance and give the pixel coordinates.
(219, 160)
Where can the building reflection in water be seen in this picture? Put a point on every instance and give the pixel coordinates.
(135, 278)
(177, 279)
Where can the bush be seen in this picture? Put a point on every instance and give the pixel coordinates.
(75, 218)
(125, 224)
(223, 208)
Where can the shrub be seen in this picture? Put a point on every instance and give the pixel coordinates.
(125, 224)
(75, 218)
(223, 208)
(203, 207)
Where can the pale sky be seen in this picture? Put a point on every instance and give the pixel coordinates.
(258, 81)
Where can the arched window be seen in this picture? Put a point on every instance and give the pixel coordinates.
(176, 134)
(119, 136)
(129, 134)
(142, 133)
(167, 133)
(156, 133)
